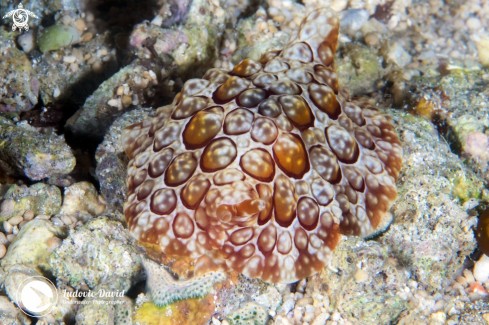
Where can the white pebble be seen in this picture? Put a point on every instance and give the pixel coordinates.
(66, 220)
(69, 59)
(56, 92)
(474, 296)
(66, 20)
(336, 316)
(286, 307)
(101, 52)
(113, 102)
(301, 286)
(361, 276)
(398, 55)
(481, 269)
(483, 50)
(44, 216)
(321, 319)
(3, 239)
(26, 41)
(15, 230)
(14, 221)
(7, 227)
(97, 66)
(57, 222)
(28, 215)
(469, 276)
(439, 305)
(308, 317)
(3, 250)
(353, 19)
(157, 21)
(473, 23)
(74, 67)
(91, 59)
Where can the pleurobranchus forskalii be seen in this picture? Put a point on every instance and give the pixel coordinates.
(267, 164)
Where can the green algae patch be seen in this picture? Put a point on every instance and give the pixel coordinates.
(40, 198)
(378, 308)
(190, 311)
(253, 48)
(358, 67)
(249, 314)
(467, 187)
(56, 37)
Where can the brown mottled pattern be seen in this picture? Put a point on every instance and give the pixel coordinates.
(267, 164)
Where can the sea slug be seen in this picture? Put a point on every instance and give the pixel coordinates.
(269, 164)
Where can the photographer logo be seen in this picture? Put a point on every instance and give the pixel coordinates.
(37, 296)
(20, 16)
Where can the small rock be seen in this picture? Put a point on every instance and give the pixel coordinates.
(361, 276)
(7, 227)
(372, 39)
(483, 50)
(303, 302)
(34, 153)
(94, 119)
(320, 319)
(99, 253)
(66, 220)
(28, 215)
(3, 239)
(287, 306)
(473, 23)
(336, 316)
(426, 55)
(27, 41)
(301, 286)
(308, 317)
(43, 216)
(438, 318)
(17, 76)
(476, 287)
(481, 269)
(38, 198)
(14, 221)
(80, 197)
(462, 281)
(111, 158)
(31, 246)
(469, 276)
(398, 55)
(352, 20)
(3, 250)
